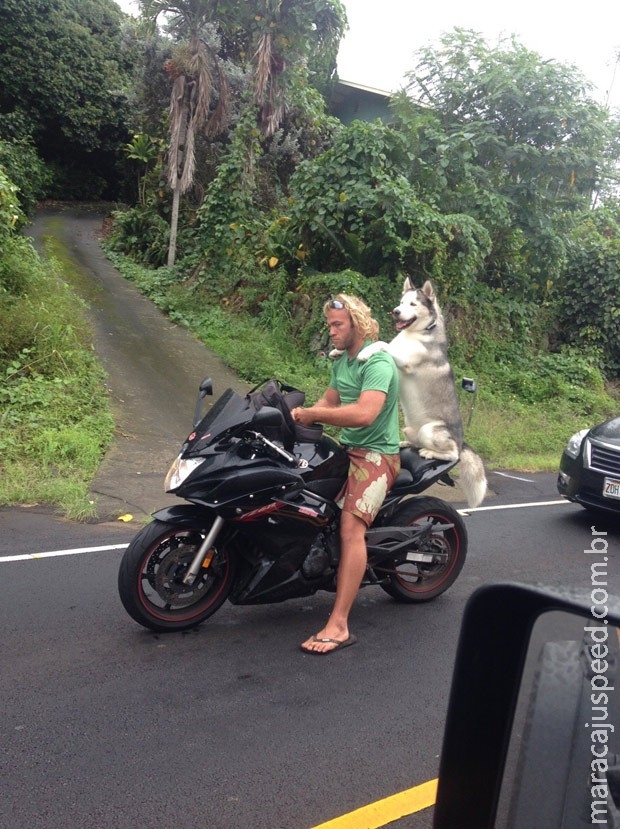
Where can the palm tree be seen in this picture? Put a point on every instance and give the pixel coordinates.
(283, 30)
(293, 32)
(143, 148)
(200, 95)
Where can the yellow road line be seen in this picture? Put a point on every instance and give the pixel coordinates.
(387, 810)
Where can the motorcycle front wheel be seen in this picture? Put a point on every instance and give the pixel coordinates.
(440, 551)
(150, 578)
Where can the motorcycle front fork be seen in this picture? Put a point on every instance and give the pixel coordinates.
(201, 555)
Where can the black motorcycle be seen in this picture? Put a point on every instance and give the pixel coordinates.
(261, 524)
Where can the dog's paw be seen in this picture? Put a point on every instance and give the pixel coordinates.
(335, 353)
(435, 455)
(370, 350)
(426, 453)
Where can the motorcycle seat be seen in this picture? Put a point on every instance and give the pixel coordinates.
(413, 467)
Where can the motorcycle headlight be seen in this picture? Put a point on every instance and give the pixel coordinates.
(181, 469)
(574, 444)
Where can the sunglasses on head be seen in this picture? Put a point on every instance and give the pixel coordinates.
(337, 304)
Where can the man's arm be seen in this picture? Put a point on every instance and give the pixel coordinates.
(327, 410)
(330, 399)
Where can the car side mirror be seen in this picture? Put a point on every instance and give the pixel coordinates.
(531, 737)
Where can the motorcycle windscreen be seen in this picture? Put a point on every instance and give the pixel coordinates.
(227, 413)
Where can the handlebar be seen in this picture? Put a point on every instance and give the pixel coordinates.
(288, 456)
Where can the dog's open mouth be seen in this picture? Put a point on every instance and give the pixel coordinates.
(401, 324)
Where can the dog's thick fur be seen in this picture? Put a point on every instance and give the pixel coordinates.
(428, 396)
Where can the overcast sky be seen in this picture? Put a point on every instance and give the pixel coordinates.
(378, 48)
(384, 34)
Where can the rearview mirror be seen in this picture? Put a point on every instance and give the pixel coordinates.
(267, 417)
(530, 739)
(205, 388)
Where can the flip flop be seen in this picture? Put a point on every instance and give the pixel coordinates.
(339, 644)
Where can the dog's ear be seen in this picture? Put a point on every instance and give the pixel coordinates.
(428, 290)
(407, 285)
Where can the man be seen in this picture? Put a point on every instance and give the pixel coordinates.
(362, 397)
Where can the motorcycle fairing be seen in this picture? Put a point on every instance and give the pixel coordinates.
(275, 543)
(327, 466)
(249, 488)
(225, 416)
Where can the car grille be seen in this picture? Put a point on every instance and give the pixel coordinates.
(605, 458)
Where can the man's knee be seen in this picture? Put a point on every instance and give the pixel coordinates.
(351, 526)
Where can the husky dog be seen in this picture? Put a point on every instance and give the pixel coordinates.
(428, 397)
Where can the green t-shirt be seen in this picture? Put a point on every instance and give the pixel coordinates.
(350, 377)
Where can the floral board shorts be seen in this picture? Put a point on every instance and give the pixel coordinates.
(371, 476)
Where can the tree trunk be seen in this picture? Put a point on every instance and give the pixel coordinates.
(174, 222)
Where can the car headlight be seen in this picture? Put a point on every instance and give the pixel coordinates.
(574, 444)
(181, 469)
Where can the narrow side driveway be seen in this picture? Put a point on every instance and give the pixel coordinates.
(154, 368)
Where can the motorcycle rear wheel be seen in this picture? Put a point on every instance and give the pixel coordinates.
(420, 582)
(150, 578)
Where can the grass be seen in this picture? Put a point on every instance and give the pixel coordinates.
(55, 415)
(54, 410)
(523, 413)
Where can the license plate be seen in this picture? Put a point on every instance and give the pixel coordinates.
(611, 488)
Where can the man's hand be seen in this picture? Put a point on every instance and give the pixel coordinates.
(361, 413)
(303, 416)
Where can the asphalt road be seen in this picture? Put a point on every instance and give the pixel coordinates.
(108, 726)
(230, 726)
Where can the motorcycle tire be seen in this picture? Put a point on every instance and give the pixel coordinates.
(150, 578)
(421, 582)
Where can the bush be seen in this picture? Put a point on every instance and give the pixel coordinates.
(54, 410)
(11, 216)
(589, 291)
(18, 263)
(27, 171)
(142, 234)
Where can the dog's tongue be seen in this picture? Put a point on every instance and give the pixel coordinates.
(400, 325)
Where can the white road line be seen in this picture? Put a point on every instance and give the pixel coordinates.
(54, 553)
(79, 550)
(513, 506)
(513, 477)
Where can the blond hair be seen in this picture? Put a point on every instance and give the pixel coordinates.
(360, 315)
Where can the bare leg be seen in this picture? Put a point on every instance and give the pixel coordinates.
(350, 574)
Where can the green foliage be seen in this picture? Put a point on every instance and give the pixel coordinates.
(11, 216)
(354, 206)
(26, 170)
(63, 70)
(145, 149)
(54, 412)
(17, 265)
(589, 289)
(522, 147)
(529, 118)
(546, 379)
(142, 233)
